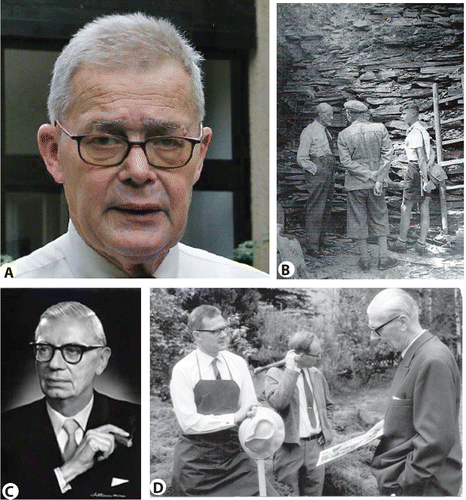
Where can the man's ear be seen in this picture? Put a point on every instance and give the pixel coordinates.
(48, 148)
(204, 146)
(103, 360)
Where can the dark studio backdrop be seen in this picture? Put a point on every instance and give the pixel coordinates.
(120, 313)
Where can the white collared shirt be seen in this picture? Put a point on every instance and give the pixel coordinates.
(305, 427)
(69, 256)
(57, 420)
(186, 375)
(417, 137)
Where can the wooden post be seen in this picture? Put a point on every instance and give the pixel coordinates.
(438, 145)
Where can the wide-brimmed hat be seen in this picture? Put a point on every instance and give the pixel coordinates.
(262, 435)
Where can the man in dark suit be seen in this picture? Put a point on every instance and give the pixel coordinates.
(420, 451)
(75, 442)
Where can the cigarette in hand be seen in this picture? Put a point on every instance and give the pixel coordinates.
(125, 441)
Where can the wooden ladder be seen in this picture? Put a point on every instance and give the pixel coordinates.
(439, 147)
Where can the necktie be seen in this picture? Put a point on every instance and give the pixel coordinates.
(71, 426)
(309, 398)
(330, 140)
(216, 372)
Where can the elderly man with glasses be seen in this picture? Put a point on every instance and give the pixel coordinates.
(300, 394)
(127, 143)
(212, 393)
(420, 451)
(75, 442)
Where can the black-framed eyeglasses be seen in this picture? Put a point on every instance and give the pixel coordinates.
(72, 353)
(376, 330)
(106, 150)
(217, 332)
(313, 355)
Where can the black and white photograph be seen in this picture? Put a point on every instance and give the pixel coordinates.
(71, 393)
(370, 151)
(251, 388)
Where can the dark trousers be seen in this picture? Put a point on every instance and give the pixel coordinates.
(295, 466)
(319, 203)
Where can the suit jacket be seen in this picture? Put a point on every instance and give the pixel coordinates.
(420, 451)
(30, 453)
(283, 395)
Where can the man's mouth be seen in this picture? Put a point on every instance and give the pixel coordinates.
(137, 210)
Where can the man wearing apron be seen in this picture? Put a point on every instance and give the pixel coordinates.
(212, 393)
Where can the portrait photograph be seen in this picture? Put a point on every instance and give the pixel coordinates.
(71, 392)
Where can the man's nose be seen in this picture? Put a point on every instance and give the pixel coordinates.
(136, 168)
(57, 360)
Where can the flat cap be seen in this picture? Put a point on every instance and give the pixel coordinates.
(356, 106)
(410, 105)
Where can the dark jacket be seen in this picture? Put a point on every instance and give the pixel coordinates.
(420, 451)
(30, 452)
(283, 396)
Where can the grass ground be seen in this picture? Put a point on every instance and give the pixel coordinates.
(355, 412)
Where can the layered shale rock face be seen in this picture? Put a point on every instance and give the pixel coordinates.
(381, 54)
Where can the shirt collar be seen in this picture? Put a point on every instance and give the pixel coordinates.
(85, 262)
(405, 350)
(57, 419)
(206, 359)
(416, 124)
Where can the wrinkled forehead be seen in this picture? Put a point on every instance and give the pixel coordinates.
(65, 331)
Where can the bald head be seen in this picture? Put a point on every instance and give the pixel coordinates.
(325, 112)
(392, 302)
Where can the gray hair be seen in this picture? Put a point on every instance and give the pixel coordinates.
(393, 301)
(131, 41)
(66, 311)
(301, 341)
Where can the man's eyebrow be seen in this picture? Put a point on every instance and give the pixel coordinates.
(122, 127)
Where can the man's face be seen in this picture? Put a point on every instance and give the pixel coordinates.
(64, 381)
(326, 117)
(215, 339)
(388, 329)
(312, 357)
(131, 213)
(409, 116)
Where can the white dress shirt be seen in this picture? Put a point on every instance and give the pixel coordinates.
(417, 137)
(305, 427)
(186, 375)
(57, 420)
(69, 256)
(404, 351)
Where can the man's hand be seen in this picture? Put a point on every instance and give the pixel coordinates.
(291, 359)
(97, 445)
(378, 188)
(246, 411)
(377, 426)
(312, 168)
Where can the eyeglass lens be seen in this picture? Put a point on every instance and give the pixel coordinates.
(164, 152)
(71, 353)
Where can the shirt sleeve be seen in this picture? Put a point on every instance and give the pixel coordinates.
(192, 422)
(64, 486)
(248, 393)
(305, 142)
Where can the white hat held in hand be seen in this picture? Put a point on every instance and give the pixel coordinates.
(262, 435)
